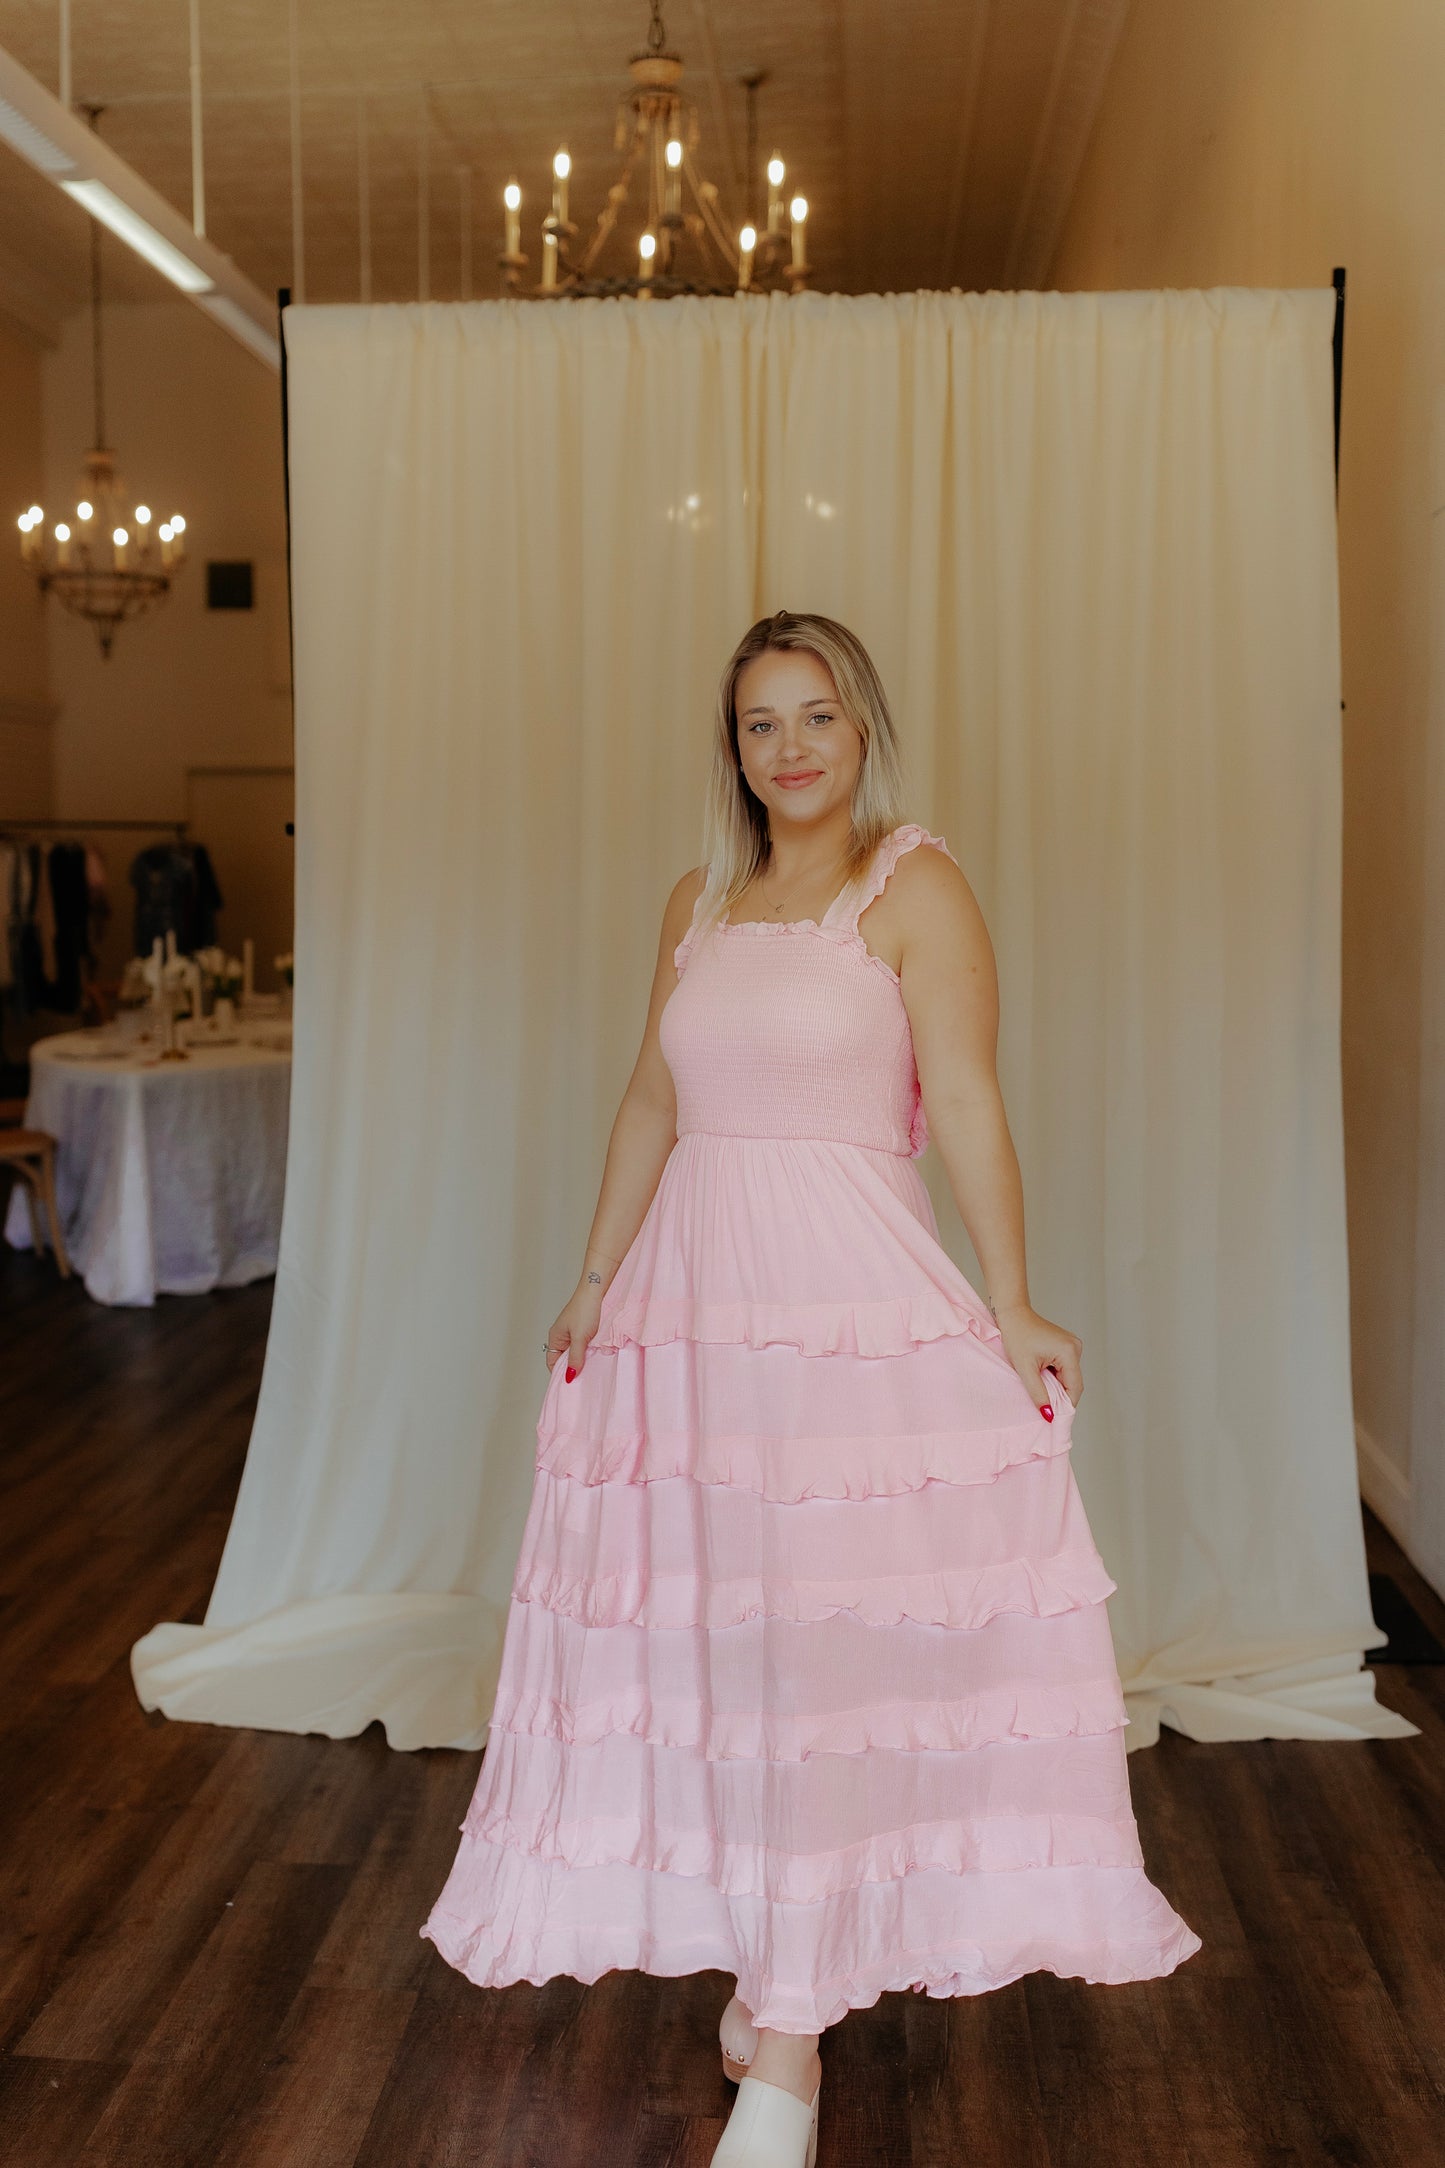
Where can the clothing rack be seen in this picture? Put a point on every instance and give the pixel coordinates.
(14, 831)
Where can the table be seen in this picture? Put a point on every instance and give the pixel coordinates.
(169, 1175)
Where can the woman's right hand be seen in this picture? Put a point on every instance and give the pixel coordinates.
(574, 1326)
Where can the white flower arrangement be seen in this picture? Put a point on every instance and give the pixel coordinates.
(225, 973)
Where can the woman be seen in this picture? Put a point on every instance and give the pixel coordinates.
(808, 1675)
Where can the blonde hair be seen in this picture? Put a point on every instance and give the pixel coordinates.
(736, 841)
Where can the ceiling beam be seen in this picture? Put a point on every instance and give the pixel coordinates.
(1083, 57)
(980, 25)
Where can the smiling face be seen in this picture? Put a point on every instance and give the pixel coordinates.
(800, 751)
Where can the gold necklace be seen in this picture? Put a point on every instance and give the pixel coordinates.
(774, 908)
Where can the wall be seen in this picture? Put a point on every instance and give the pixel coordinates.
(25, 713)
(1250, 144)
(196, 425)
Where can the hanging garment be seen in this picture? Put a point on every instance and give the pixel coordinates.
(808, 1675)
(70, 914)
(9, 923)
(97, 884)
(205, 901)
(176, 891)
(32, 983)
(160, 875)
(44, 911)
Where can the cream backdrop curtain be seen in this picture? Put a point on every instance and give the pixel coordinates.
(1090, 541)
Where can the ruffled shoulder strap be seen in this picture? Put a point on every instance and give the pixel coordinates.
(855, 901)
(684, 947)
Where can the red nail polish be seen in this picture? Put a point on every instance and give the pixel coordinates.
(1047, 1414)
(571, 1374)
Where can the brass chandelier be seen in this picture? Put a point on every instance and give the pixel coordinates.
(682, 248)
(104, 566)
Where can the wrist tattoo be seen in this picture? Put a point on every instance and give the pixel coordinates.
(595, 1276)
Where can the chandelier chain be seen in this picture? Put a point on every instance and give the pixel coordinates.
(97, 362)
(95, 346)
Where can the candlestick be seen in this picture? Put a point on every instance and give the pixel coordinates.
(62, 544)
(120, 538)
(673, 154)
(549, 259)
(747, 242)
(799, 210)
(512, 198)
(561, 167)
(776, 171)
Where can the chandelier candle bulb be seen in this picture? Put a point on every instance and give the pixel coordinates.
(646, 250)
(120, 539)
(549, 259)
(62, 544)
(512, 199)
(674, 177)
(85, 509)
(776, 172)
(798, 209)
(561, 167)
(747, 242)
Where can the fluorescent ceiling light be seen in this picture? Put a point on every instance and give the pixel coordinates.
(22, 135)
(131, 228)
(264, 344)
(55, 141)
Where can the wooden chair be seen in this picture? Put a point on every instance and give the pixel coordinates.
(31, 1154)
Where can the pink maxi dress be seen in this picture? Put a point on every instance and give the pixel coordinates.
(808, 1675)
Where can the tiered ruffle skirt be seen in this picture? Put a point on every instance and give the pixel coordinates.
(808, 1676)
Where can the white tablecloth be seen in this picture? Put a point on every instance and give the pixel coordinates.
(169, 1175)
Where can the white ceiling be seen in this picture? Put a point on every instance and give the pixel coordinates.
(936, 140)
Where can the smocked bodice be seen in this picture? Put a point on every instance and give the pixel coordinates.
(797, 1030)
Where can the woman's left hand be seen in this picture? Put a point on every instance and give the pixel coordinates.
(1034, 1344)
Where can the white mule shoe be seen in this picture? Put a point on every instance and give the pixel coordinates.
(769, 2128)
(738, 2041)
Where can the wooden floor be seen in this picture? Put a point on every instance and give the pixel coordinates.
(208, 1938)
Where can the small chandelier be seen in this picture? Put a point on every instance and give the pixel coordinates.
(104, 566)
(680, 250)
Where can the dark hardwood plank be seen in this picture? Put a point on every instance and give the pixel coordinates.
(331, 2061)
(209, 1939)
(48, 2110)
(195, 2086)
